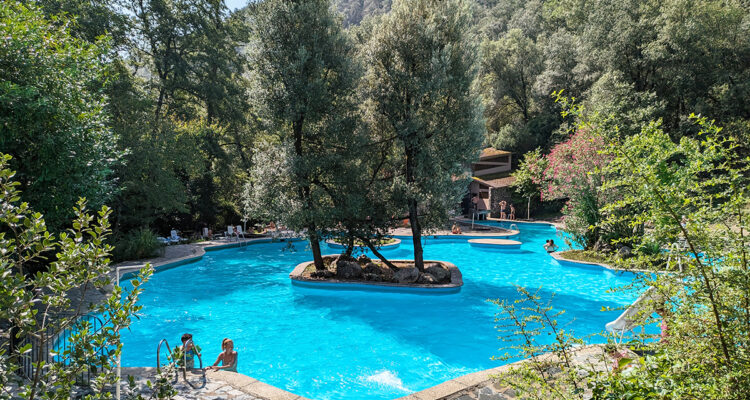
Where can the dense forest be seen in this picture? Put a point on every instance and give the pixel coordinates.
(158, 108)
(641, 59)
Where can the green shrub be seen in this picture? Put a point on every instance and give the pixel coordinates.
(137, 244)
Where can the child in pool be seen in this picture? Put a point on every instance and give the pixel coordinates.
(190, 350)
(227, 357)
(550, 246)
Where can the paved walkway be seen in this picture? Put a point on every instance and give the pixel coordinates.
(212, 388)
(217, 385)
(481, 385)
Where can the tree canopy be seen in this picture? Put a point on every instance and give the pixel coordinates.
(419, 85)
(53, 117)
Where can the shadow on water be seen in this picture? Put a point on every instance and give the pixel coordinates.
(425, 321)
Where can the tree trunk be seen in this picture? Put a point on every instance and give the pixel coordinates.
(528, 210)
(377, 254)
(416, 229)
(13, 343)
(349, 246)
(306, 197)
(315, 246)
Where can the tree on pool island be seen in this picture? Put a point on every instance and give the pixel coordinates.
(419, 88)
(305, 80)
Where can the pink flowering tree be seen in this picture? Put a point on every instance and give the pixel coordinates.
(574, 172)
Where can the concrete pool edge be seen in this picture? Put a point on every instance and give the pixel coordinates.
(239, 382)
(482, 381)
(333, 284)
(560, 259)
(390, 246)
(198, 250)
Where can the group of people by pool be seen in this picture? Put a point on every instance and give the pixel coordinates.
(507, 210)
(227, 358)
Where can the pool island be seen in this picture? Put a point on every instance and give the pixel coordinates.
(364, 273)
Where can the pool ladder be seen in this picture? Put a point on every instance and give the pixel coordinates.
(184, 362)
(514, 227)
(674, 254)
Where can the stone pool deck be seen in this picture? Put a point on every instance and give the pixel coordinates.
(218, 385)
(476, 386)
(481, 385)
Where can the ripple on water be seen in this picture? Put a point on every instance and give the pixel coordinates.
(358, 345)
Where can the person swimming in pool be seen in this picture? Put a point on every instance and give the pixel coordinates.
(227, 357)
(550, 246)
(190, 349)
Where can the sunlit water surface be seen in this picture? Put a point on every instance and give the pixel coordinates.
(330, 344)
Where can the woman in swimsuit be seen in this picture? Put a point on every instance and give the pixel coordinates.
(227, 357)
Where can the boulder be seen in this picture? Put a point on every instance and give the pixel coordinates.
(363, 259)
(624, 252)
(383, 271)
(372, 277)
(344, 257)
(440, 273)
(372, 268)
(348, 269)
(406, 275)
(601, 246)
(324, 274)
(426, 278)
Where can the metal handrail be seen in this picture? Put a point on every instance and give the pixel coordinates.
(200, 365)
(674, 251)
(184, 363)
(56, 345)
(158, 353)
(514, 226)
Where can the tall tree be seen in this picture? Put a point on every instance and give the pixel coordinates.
(93, 18)
(52, 113)
(419, 82)
(195, 79)
(510, 67)
(304, 82)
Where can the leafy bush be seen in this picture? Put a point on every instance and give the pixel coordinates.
(136, 245)
(683, 200)
(38, 307)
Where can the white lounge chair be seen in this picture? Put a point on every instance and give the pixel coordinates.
(627, 319)
(240, 233)
(174, 237)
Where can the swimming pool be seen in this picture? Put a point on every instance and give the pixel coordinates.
(332, 344)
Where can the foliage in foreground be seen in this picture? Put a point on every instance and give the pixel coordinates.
(688, 200)
(39, 306)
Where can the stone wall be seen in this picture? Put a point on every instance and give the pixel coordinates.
(496, 196)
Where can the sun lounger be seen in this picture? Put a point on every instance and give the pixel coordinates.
(175, 238)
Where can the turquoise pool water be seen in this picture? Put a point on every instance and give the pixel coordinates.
(331, 344)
